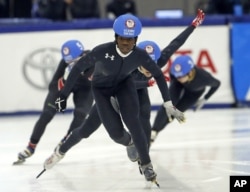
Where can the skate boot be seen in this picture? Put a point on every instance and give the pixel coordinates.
(148, 172)
(154, 134)
(132, 152)
(26, 153)
(53, 159)
(58, 145)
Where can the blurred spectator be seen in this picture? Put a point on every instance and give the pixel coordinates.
(15, 8)
(50, 9)
(116, 8)
(82, 9)
(62, 10)
(232, 7)
(220, 7)
(246, 6)
(4, 9)
(20, 8)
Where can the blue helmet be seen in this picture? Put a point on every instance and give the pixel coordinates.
(181, 66)
(151, 48)
(127, 25)
(71, 50)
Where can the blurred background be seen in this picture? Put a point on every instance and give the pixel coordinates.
(32, 32)
(98, 8)
(212, 145)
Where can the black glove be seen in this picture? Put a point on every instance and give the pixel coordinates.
(61, 104)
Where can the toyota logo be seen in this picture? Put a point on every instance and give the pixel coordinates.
(40, 65)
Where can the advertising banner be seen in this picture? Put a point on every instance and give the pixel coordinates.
(29, 60)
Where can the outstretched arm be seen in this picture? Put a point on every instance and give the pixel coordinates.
(177, 42)
(214, 84)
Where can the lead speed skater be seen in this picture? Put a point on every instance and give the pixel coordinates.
(87, 128)
(113, 64)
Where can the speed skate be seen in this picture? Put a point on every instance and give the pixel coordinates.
(19, 161)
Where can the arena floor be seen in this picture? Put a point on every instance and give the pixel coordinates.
(198, 156)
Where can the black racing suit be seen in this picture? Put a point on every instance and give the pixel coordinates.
(112, 77)
(185, 95)
(93, 121)
(82, 99)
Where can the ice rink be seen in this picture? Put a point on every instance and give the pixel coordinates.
(198, 156)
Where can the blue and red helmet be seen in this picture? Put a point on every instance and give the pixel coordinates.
(151, 48)
(127, 25)
(181, 66)
(71, 50)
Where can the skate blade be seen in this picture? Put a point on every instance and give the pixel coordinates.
(139, 167)
(156, 183)
(152, 185)
(40, 173)
(19, 162)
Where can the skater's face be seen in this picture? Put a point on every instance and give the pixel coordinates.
(73, 61)
(125, 45)
(189, 77)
